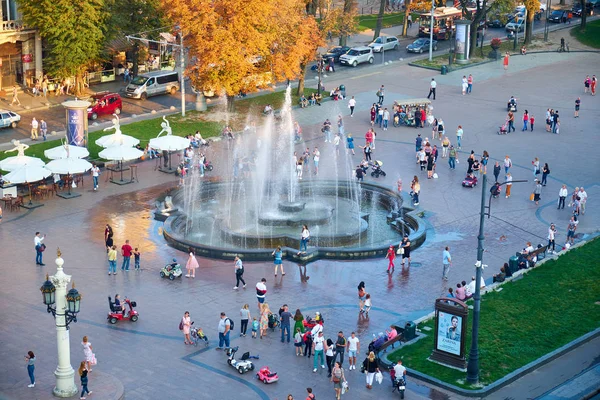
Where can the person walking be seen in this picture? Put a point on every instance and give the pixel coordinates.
(511, 122)
(340, 125)
(329, 355)
(459, 135)
(304, 239)
(353, 346)
(126, 253)
(318, 346)
(338, 378)
(469, 84)
(261, 291)
(415, 190)
(496, 171)
(536, 166)
(371, 366)
(586, 84)
(311, 395)
(350, 142)
(545, 173)
(562, 195)
(34, 129)
(278, 254)
(593, 85)
(571, 228)
(95, 175)
(582, 199)
(362, 295)
(507, 164)
(351, 105)
(405, 245)
(239, 273)
(465, 85)
(447, 262)
(577, 105)
(505, 62)
(316, 158)
(445, 146)
(537, 192)
(381, 94)
(340, 347)
(245, 317)
(191, 265)
(88, 353)
(373, 114)
(83, 376)
(555, 122)
(432, 87)
(224, 329)
(551, 236)
(509, 179)
(39, 248)
(285, 317)
(525, 121)
(112, 260)
(15, 97)
(452, 157)
(43, 129)
(30, 359)
(391, 256)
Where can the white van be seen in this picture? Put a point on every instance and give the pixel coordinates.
(152, 84)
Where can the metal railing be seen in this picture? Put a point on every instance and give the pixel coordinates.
(12, 25)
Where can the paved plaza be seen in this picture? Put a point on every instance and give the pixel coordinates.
(149, 358)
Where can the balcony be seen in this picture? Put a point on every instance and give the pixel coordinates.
(12, 26)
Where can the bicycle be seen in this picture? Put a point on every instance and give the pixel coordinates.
(564, 48)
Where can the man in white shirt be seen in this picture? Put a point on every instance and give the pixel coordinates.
(37, 241)
(318, 350)
(471, 285)
(351, 105)
(400, 370)
(582, 199)
(432, 87)
(34, 129)
(261, 291)
(224, 329)
(95, 175)
(353, 346)
(562, 195)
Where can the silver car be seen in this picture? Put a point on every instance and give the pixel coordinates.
(9, 119)
(384, 43)
(357, 55)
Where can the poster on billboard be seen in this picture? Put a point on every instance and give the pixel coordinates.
(450, 328)
(449, 333)
(77, 122)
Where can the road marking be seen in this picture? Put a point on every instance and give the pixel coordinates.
(362, 76)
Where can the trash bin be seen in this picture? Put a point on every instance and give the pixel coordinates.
(410, 331)
(513, 266)
(444, 70)
(343, 90)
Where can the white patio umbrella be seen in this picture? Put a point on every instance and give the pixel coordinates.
(121, 153)
(17, 162)
(117, 139)
(28, 174)
(170, 143)
(69, 166)
(66, 151)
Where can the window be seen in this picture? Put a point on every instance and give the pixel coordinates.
(112, 100)
(167, 78)
(5, 116)
(150, 82)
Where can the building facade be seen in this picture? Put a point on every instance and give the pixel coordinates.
(20, 48)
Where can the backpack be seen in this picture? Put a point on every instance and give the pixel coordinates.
(231, 324)
(181, 325)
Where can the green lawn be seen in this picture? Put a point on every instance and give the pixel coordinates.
(550, 307)
(591, 37)
(148, 129)
(369, 21)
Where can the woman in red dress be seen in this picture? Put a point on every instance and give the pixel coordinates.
(506, 56)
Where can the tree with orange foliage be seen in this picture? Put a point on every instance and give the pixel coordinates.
(242, 46)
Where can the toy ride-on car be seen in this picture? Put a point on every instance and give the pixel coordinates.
(470, 181)
(242, 365)
(265, 375)
(118, 314)
(171, 271)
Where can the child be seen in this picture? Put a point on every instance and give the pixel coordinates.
(367, 304)
(531, 121)
(83, 374)
(298, 342)
(391, 255)
(136, 257)
(278, 254)
(254, 327)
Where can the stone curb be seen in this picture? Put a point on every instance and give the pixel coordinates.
(524, 370)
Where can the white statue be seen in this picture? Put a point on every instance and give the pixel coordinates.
(116, 125)
(166, 128)
(65, 144)
(19, 147)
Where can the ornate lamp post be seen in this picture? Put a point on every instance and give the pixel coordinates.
(64, 308)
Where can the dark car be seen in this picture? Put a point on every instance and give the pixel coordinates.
(336, 52)
(420, 45)
(496, 23)
(559, 16)
(577, 9)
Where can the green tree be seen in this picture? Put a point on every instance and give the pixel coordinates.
(477, 15)
(138, 18)
(73, 30)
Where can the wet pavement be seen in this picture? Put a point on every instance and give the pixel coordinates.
(148, 356)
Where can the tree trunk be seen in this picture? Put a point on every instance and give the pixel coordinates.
(78, 84)
(583, 15)
(230, 103)
(529, 27)
(347, 10)
(473, 37)
(136, 55)
(300, 90)
(562, 2)
(311, 8)
(379, 19)
(406, 14)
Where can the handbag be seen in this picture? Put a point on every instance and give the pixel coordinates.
(181, 325)
(400, 251)
(93, 361)
(531, 197)
(344, 387)
(379, 377)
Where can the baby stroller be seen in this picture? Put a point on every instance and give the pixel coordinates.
(470, 181)
(197, 335)
(377, 171)
(273, 321)
(503, 130)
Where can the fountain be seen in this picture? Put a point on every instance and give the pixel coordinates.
(265, 204)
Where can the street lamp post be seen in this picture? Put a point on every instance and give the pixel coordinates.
(182, 66)
(64, 307)
(473, 364)
(431, 31)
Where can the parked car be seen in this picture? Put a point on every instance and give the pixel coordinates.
(9, 119)
(496, 23)
(384, 43)
(152, 84)
(559, 16)
(577, 9)
(104, 103)
(517, 25)
(336, 52)
(420, 45)
(357, 55)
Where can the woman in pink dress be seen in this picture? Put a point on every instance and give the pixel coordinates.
(505, 62)
(185, 325)
(191, 265)
(88, 353)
